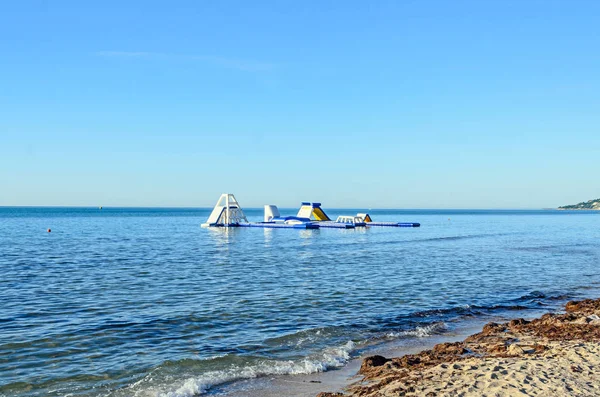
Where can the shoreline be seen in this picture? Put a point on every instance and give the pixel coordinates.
(575, 209)
(337, 380)
(557, 353)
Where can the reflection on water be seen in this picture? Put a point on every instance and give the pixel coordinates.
(309, 233)
(222, 235)
(268, 233)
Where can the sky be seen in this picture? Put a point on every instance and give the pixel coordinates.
(383, 104)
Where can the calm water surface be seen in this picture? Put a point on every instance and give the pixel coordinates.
(143, 302)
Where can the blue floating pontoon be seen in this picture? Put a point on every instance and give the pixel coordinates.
(275, 225)
(394, 224)
(336, 225)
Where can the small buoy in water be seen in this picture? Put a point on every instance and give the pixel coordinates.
(49, 230)
(100, 207)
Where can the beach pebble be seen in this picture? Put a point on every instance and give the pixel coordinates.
(594, 319)
(515, 350)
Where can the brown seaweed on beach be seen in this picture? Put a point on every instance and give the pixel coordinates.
(516, 338)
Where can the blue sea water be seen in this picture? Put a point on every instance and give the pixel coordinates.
(144, 302)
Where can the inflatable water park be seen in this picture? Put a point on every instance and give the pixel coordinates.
(229, 213)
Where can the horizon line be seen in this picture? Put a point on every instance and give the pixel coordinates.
(251, 207)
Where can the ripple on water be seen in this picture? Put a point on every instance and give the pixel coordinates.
(145, 302)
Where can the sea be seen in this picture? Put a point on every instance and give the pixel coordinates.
(144, 302)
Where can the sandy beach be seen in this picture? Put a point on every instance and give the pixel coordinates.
(556, 354)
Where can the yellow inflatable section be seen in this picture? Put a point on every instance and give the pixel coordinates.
(319, 214)
(312, 210)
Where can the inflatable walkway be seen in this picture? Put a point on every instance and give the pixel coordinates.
(228, 213)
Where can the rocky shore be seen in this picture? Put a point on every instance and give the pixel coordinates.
(584, 205)
(557, 354)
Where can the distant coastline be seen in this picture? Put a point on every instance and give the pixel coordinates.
(584, 205)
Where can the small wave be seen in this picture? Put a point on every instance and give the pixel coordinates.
(464, 237)
(421, 331)
(301, 339)
(195, 385)
(331, 358)
(458, 310)
(426, 318)
(538, 295)
(495, 308)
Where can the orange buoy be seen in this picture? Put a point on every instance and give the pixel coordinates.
(49, 230)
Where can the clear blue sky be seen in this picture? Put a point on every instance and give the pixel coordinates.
(404, 104)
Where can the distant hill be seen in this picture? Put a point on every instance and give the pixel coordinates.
(585, 205)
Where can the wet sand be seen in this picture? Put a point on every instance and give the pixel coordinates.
(556, 354)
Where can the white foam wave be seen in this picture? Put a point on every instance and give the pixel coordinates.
(420, 332)
(194, 386)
